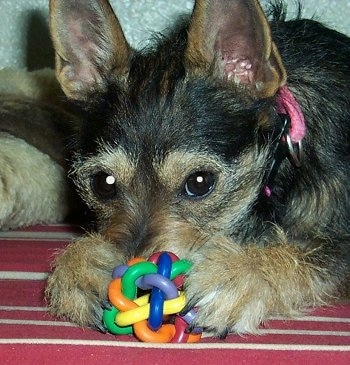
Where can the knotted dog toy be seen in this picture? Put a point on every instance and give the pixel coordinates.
(154, 316)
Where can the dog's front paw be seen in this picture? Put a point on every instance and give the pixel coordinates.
(237, 288)
(229, 293)
(77, 287)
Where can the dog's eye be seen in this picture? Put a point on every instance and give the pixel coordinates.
(199, 184)
(104, 185)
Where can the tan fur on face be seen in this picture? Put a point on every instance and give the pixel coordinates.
(176, 165)
(211, 214)
(113, 161)
(242, 176)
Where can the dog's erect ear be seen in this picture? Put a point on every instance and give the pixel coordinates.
(232, 38)
(89, 44)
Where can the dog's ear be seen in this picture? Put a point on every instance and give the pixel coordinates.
(89, 45)
(232, 39)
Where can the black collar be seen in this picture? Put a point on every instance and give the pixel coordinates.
(284, 148)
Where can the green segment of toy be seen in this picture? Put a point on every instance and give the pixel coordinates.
(129, 289)
(109, 322)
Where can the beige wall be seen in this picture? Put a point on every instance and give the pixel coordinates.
(24, 40)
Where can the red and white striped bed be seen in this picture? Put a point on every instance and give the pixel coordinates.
(29, 335)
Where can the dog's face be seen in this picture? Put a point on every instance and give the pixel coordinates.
(175, 142)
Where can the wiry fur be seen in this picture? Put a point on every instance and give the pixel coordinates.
(195, 103)
(33, 127)
(46, 197)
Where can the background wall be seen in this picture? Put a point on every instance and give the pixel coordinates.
(24, 40)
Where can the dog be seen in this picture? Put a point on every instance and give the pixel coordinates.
(226, 141)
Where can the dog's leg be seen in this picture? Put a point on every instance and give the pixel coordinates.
(236, 288)
(32, 186)
(80, 279)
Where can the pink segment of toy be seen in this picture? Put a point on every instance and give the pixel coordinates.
(154, 258)
(179, 280)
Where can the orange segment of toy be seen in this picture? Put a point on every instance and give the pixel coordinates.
(136, 260)
(117, 298)
(165, 333)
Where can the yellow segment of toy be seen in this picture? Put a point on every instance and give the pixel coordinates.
(141, 313)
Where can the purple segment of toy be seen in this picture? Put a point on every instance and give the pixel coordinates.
(138, 283)
(189, 318)
(159, 281)
(119, 271)
(148, 281)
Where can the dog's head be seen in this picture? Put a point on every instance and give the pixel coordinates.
(175, 142)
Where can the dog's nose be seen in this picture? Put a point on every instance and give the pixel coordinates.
(140, 237)
(128, 230)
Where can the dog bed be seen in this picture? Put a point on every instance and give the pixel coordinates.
(30, 336)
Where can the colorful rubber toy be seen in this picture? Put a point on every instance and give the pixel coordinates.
(153, 317)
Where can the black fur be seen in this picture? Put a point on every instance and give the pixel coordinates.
(160, 107)
(150, 121)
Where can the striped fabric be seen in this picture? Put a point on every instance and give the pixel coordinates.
(29, 335)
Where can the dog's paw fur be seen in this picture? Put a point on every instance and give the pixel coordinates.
(236, 288)
(78, 284)
(229, 293)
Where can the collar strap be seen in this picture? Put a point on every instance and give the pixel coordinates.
(287, 104)
(289, 137)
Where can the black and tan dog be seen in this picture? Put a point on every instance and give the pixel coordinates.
(226, 142)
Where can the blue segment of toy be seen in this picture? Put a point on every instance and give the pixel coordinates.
(155, 319)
